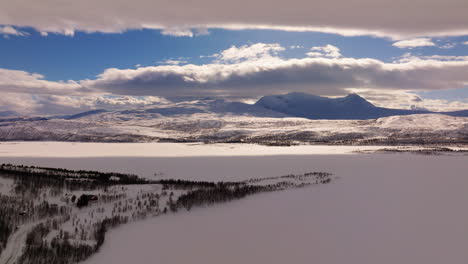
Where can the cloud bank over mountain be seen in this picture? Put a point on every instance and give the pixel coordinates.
(249, 71)
(255, 70)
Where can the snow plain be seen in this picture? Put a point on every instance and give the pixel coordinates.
(68, 149)
(384, 208)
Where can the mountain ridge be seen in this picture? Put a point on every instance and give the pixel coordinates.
(350, 107)
(295, 104)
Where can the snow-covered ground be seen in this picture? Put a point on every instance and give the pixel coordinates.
(384, 208)
(67, 149)
(145, 125)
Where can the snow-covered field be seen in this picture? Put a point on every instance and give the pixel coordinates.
(67, 149)
(384, 208)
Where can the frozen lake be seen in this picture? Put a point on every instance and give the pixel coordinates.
(385, 208)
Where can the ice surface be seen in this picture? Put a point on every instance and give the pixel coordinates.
(385, 209)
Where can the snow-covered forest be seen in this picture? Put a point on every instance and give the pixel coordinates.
(55, 215)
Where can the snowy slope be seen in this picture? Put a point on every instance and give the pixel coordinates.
(214, 120)
(434, 122)
(145, 126)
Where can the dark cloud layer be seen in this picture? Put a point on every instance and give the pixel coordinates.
(315, 75)
(395, 18)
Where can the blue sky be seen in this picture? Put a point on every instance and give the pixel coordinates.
(83, 55)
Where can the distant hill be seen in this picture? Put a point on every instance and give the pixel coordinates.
(8, 113)
(83, 114)
(352, 106)
(461, 113)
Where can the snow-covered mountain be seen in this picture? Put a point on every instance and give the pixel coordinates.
(272, 120)
(350, 107)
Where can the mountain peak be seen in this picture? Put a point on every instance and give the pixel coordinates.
(356, 99)
(354, 96)
(311, 106)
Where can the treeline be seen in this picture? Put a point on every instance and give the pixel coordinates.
(5, 231)
(208, 193)
(227, 191)
(73, 174)
(14, 212)
(32, 177)
(316, 175)
(105, 225)
(188, 184)
(38, 250)
(217, 194)
(8, 217)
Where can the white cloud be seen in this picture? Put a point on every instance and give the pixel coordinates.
(172, 62)
(465, 43)
(413, 43)
(178, 32)
(27, 104)
(324, 75)
(24, 82)
(444, 58)
(248, 52)
(18, 102)
(441, 105)
(9, 30)
(47, 104)
(254, 70)
(379, 18)
(328, 51)
(409, 100)
(408, 57)
(181, 31)
(448, 46)
(296, 47)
